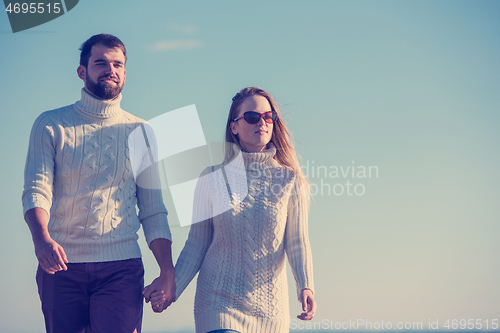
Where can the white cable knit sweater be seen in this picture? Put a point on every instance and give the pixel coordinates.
(78, 169)
(240, 254)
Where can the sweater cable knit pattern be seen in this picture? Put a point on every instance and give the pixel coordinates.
(240, 254)
(78, 169)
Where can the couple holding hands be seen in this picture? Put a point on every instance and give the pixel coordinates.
(80, 198)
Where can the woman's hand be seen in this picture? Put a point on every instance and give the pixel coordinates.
(308, 304)
(157, 299)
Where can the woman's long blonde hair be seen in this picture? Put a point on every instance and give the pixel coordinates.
(286, 155)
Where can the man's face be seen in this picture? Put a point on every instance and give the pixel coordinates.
(105, 73)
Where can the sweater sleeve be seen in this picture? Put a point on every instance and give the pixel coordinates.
(153, 214)
(39, 169)
(297, 246)
(200, 236)
(152, 211)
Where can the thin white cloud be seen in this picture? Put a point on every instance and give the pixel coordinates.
(187, 29)
(175, 44)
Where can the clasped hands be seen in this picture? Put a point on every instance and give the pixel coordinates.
(161, 292)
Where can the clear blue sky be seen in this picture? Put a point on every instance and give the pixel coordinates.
(410, 88)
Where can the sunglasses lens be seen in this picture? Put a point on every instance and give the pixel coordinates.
(270, 117)
(252, 117)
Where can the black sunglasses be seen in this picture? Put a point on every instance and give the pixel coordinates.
(253, 117)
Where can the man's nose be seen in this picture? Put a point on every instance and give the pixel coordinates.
(110, 69)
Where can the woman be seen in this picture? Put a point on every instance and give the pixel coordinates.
(239, 251)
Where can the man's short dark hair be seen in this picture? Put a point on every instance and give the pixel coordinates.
(109, 41)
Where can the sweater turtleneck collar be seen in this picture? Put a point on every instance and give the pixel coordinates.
(94, 107)
(256, 161)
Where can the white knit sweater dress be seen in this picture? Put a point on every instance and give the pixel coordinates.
(240, 253)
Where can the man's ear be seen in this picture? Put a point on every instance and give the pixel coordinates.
(81, 70)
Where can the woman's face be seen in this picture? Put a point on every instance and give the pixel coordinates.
(253, 137)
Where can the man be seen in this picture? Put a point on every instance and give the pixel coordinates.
(79, 201)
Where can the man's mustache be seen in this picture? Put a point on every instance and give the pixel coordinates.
(109, 77)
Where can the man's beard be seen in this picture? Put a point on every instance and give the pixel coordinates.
(103, 90)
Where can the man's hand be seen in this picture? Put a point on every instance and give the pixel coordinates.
(50, 255)
(308, 305)
(161, 292)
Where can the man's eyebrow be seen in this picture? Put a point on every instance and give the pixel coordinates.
(105, 60)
